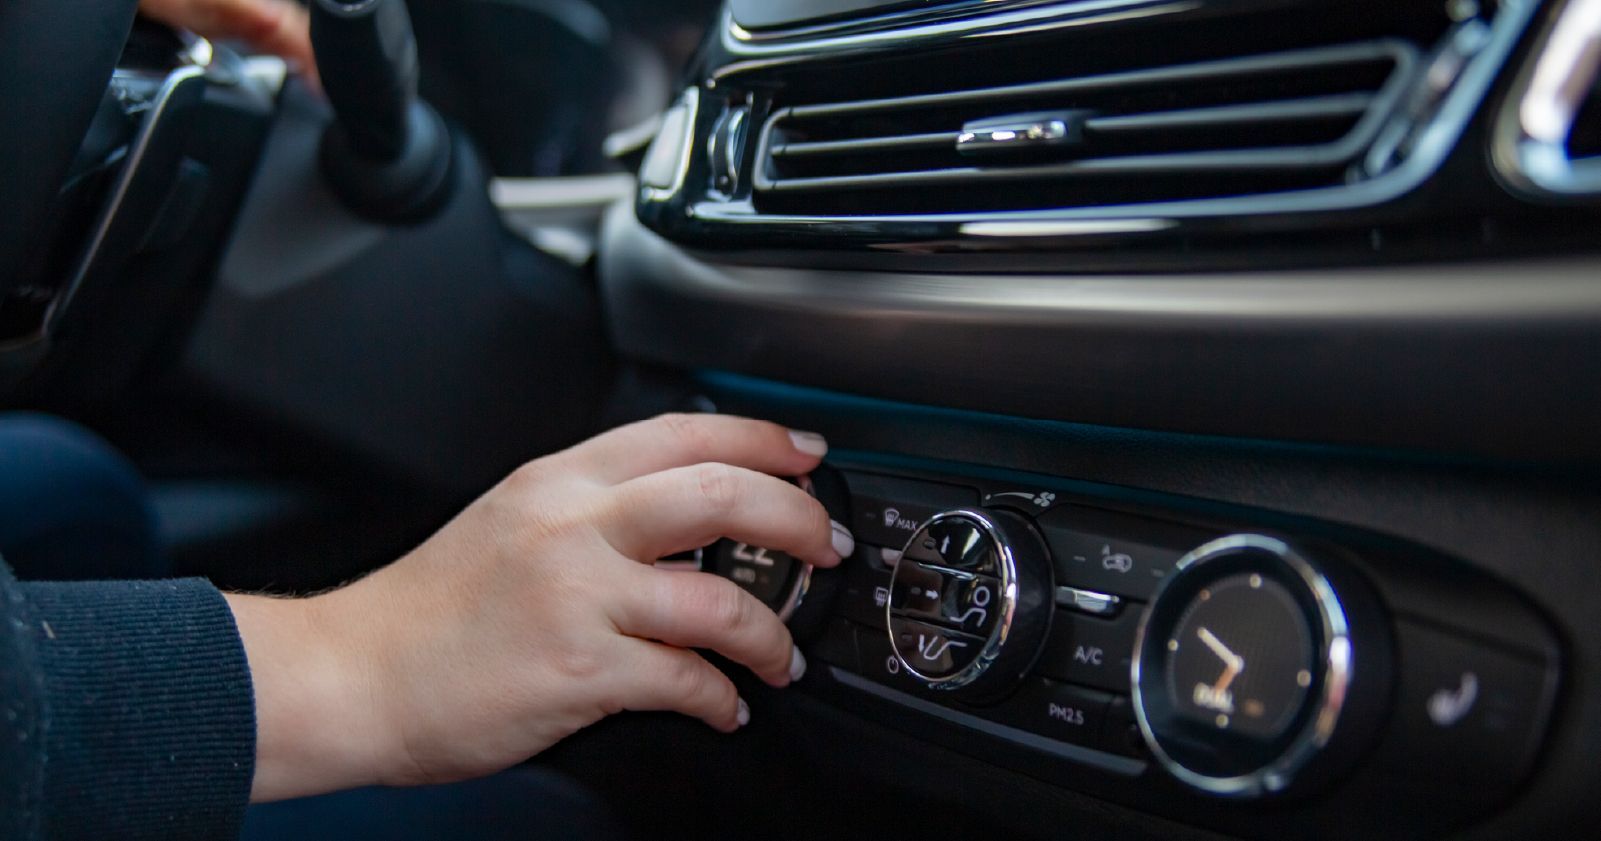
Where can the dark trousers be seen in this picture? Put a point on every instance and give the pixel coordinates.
(71, 507)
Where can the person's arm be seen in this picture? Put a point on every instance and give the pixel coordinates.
(125, 710)
(537, 612)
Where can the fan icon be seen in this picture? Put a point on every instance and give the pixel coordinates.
(1043, 499)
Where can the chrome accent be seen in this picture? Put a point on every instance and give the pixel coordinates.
(912, 26)
(797, 593)
(998, 635)
(1113, 763)
(1337, 657)
(1437, 78)
(1532, 131)
(667, 162)
(725, 148)
(803, 576)
(1020, 132)
(1088, 601)
(183, 86)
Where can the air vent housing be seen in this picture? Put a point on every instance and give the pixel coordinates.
(1250, 124)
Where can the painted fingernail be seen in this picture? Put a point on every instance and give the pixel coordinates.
(809, 443)
(797, 664)
(743, 716)
(844, 544)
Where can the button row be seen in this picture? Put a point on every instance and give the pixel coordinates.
(1047, 708)
(1091, 549)
(887, 511)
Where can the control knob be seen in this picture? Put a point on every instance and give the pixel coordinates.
(970, 602)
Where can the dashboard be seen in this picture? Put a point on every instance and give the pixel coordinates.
(1213, 388)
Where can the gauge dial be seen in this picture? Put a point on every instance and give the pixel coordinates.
(1240, 658)
(1241, 667)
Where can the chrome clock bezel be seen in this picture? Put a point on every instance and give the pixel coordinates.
(1336, 656)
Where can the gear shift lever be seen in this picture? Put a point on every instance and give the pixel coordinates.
(387, 154)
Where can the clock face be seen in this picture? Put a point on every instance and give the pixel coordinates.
(1240, 657)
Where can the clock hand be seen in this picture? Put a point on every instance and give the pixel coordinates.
(1234, 661)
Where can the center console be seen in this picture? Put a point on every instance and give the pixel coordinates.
(1193, 659)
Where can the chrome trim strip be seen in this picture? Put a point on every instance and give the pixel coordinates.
(881, 19)
(739, 41)
(1089, 756)
(1537, 119)
(1337, 657)
(177, 83)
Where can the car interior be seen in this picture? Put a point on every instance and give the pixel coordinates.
(1213, 386)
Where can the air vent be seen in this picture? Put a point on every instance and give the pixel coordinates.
(1247, 125)
(1548, 141)
(1585, 139)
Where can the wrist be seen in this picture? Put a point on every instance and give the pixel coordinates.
(318, 726)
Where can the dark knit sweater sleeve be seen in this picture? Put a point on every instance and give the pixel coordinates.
(142, 715)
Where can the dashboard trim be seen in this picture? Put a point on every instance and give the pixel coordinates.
(1441, 351)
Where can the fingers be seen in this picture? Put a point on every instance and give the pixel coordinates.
(704, 611)
(667, 679)
(277, 27)
(671, 441)
(688, 507)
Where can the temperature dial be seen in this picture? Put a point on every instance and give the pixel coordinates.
(1242, 667)
(970, 601)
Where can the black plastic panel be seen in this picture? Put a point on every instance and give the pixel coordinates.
(1493, 359)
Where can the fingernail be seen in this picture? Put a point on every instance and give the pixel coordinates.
(743, 716)
(797, 664)
(844, 544)
(809, 443)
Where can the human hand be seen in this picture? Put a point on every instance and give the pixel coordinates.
(536, 612)
(275, 27)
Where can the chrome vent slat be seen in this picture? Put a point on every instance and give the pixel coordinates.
(894, 143)
(1217, 70)
(1309, 108)
(1252, 160)
(1279, 120)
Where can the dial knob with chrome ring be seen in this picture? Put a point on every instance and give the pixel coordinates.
(970, 602)
(1243, 667)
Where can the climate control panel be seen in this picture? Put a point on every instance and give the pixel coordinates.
(1165, 650)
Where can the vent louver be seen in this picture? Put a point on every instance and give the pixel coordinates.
(1247, 125)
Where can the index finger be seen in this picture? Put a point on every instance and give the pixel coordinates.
(680, 440)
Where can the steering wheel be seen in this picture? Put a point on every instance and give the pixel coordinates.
(55, 59)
